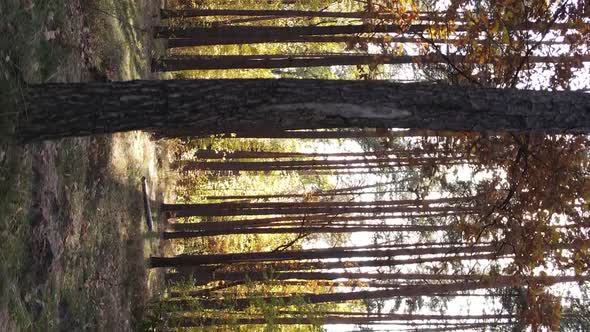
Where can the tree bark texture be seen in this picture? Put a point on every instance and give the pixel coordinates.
(274, 33)
(409, 290)
(309, 134)
(207, 62)
(275, 256)
(57, 110)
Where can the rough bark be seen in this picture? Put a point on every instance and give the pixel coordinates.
(348, 39)
(190, 210)
(206, 62)
(167, 13)
(346, 265)
(308, 134)
(301, 196)
(230, 40)
(57, 110)
(344, 277)
(409, 290)
(202, 62)
(390, 319)
(273, 33)
(298, 255)
(210, 154)
(300, 220)
(316, 164)
(324, 229)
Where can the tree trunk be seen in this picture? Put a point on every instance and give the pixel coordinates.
(272, 33)
(304, 205)
(302, 220)
(344, 277)
(306, 266)
(300, 196)
(57, 110)
(309, 134)
(167, 13)
(201, 62)
(206, 62)
(399, 320)
(324, 229)
(316, 164)
(298, 255)
(410, 290)
(210, 154)
(348, 39)
(275, 34)
(192, 210)
(230, 40)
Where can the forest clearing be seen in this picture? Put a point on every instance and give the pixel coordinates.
(310, 165)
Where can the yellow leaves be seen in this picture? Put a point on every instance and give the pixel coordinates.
(483, 19)
(505, 35)
(495, 27)
(481, 59)
(310, 197)
(554, 236)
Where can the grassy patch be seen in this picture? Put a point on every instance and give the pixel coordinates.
(80, 206)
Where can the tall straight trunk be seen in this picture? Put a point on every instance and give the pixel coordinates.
(167, 13)
(409, 290)
(333, 284)
(315, 173)
(274, 33)
(56, 110)
(298, 255)
(193, 321)
(299, 196)
(227, 155)
(332, 221)
(326, 172)
(304, 205)
(308, 134)
(206, 292)
(374, 210)
(324, 229)
(306, 208)
(306, 266)
(317, 163)
(344, 277)
(206, 62)
(309, 169)
(347, 39)
(360, 188)
(439, 17)
(229, 40)
(411, 320)
(302, 220)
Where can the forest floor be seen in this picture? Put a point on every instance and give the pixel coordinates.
(73, 238)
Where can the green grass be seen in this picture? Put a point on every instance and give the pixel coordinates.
(95, 277)
(17, 48)
(14, 228)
